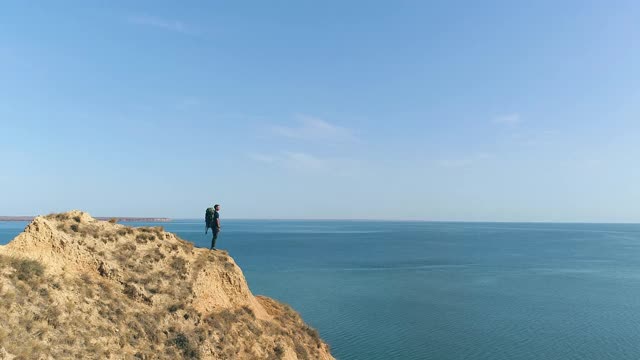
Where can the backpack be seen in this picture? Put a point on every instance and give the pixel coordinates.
(208, 219)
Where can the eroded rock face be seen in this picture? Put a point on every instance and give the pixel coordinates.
(73, 286)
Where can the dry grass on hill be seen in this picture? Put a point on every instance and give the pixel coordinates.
(75, 287)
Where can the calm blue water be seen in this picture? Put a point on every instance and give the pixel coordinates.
(411, 290)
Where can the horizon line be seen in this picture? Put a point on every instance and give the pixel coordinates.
(169, 219)
(427, 220)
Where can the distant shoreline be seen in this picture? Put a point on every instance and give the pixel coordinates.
(125, 219)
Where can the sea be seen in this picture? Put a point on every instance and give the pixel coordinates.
(444, 290)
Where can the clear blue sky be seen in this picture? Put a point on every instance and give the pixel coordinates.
(449, 110)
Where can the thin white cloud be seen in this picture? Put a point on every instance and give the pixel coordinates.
(533, 139)
(305, 163)
(160, 23)
(263, 158)
(310, 130)
(314, 129)
(454, 163)
(508, 119)
(465, 161)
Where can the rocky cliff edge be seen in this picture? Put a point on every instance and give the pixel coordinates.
(72, 286)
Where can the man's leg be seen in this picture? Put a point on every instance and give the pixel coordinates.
(213, 239)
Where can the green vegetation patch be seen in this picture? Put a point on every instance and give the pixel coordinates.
(27, 270)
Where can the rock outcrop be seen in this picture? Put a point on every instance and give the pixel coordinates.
(72, 286)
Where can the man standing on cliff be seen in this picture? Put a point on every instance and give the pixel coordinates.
(215, 229)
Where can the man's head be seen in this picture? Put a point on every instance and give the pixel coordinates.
(216, 207)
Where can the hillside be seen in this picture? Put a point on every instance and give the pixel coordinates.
(72, 286)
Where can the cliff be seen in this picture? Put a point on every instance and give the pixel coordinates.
(72, 286)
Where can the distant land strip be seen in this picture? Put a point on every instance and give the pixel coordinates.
(125, 219)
